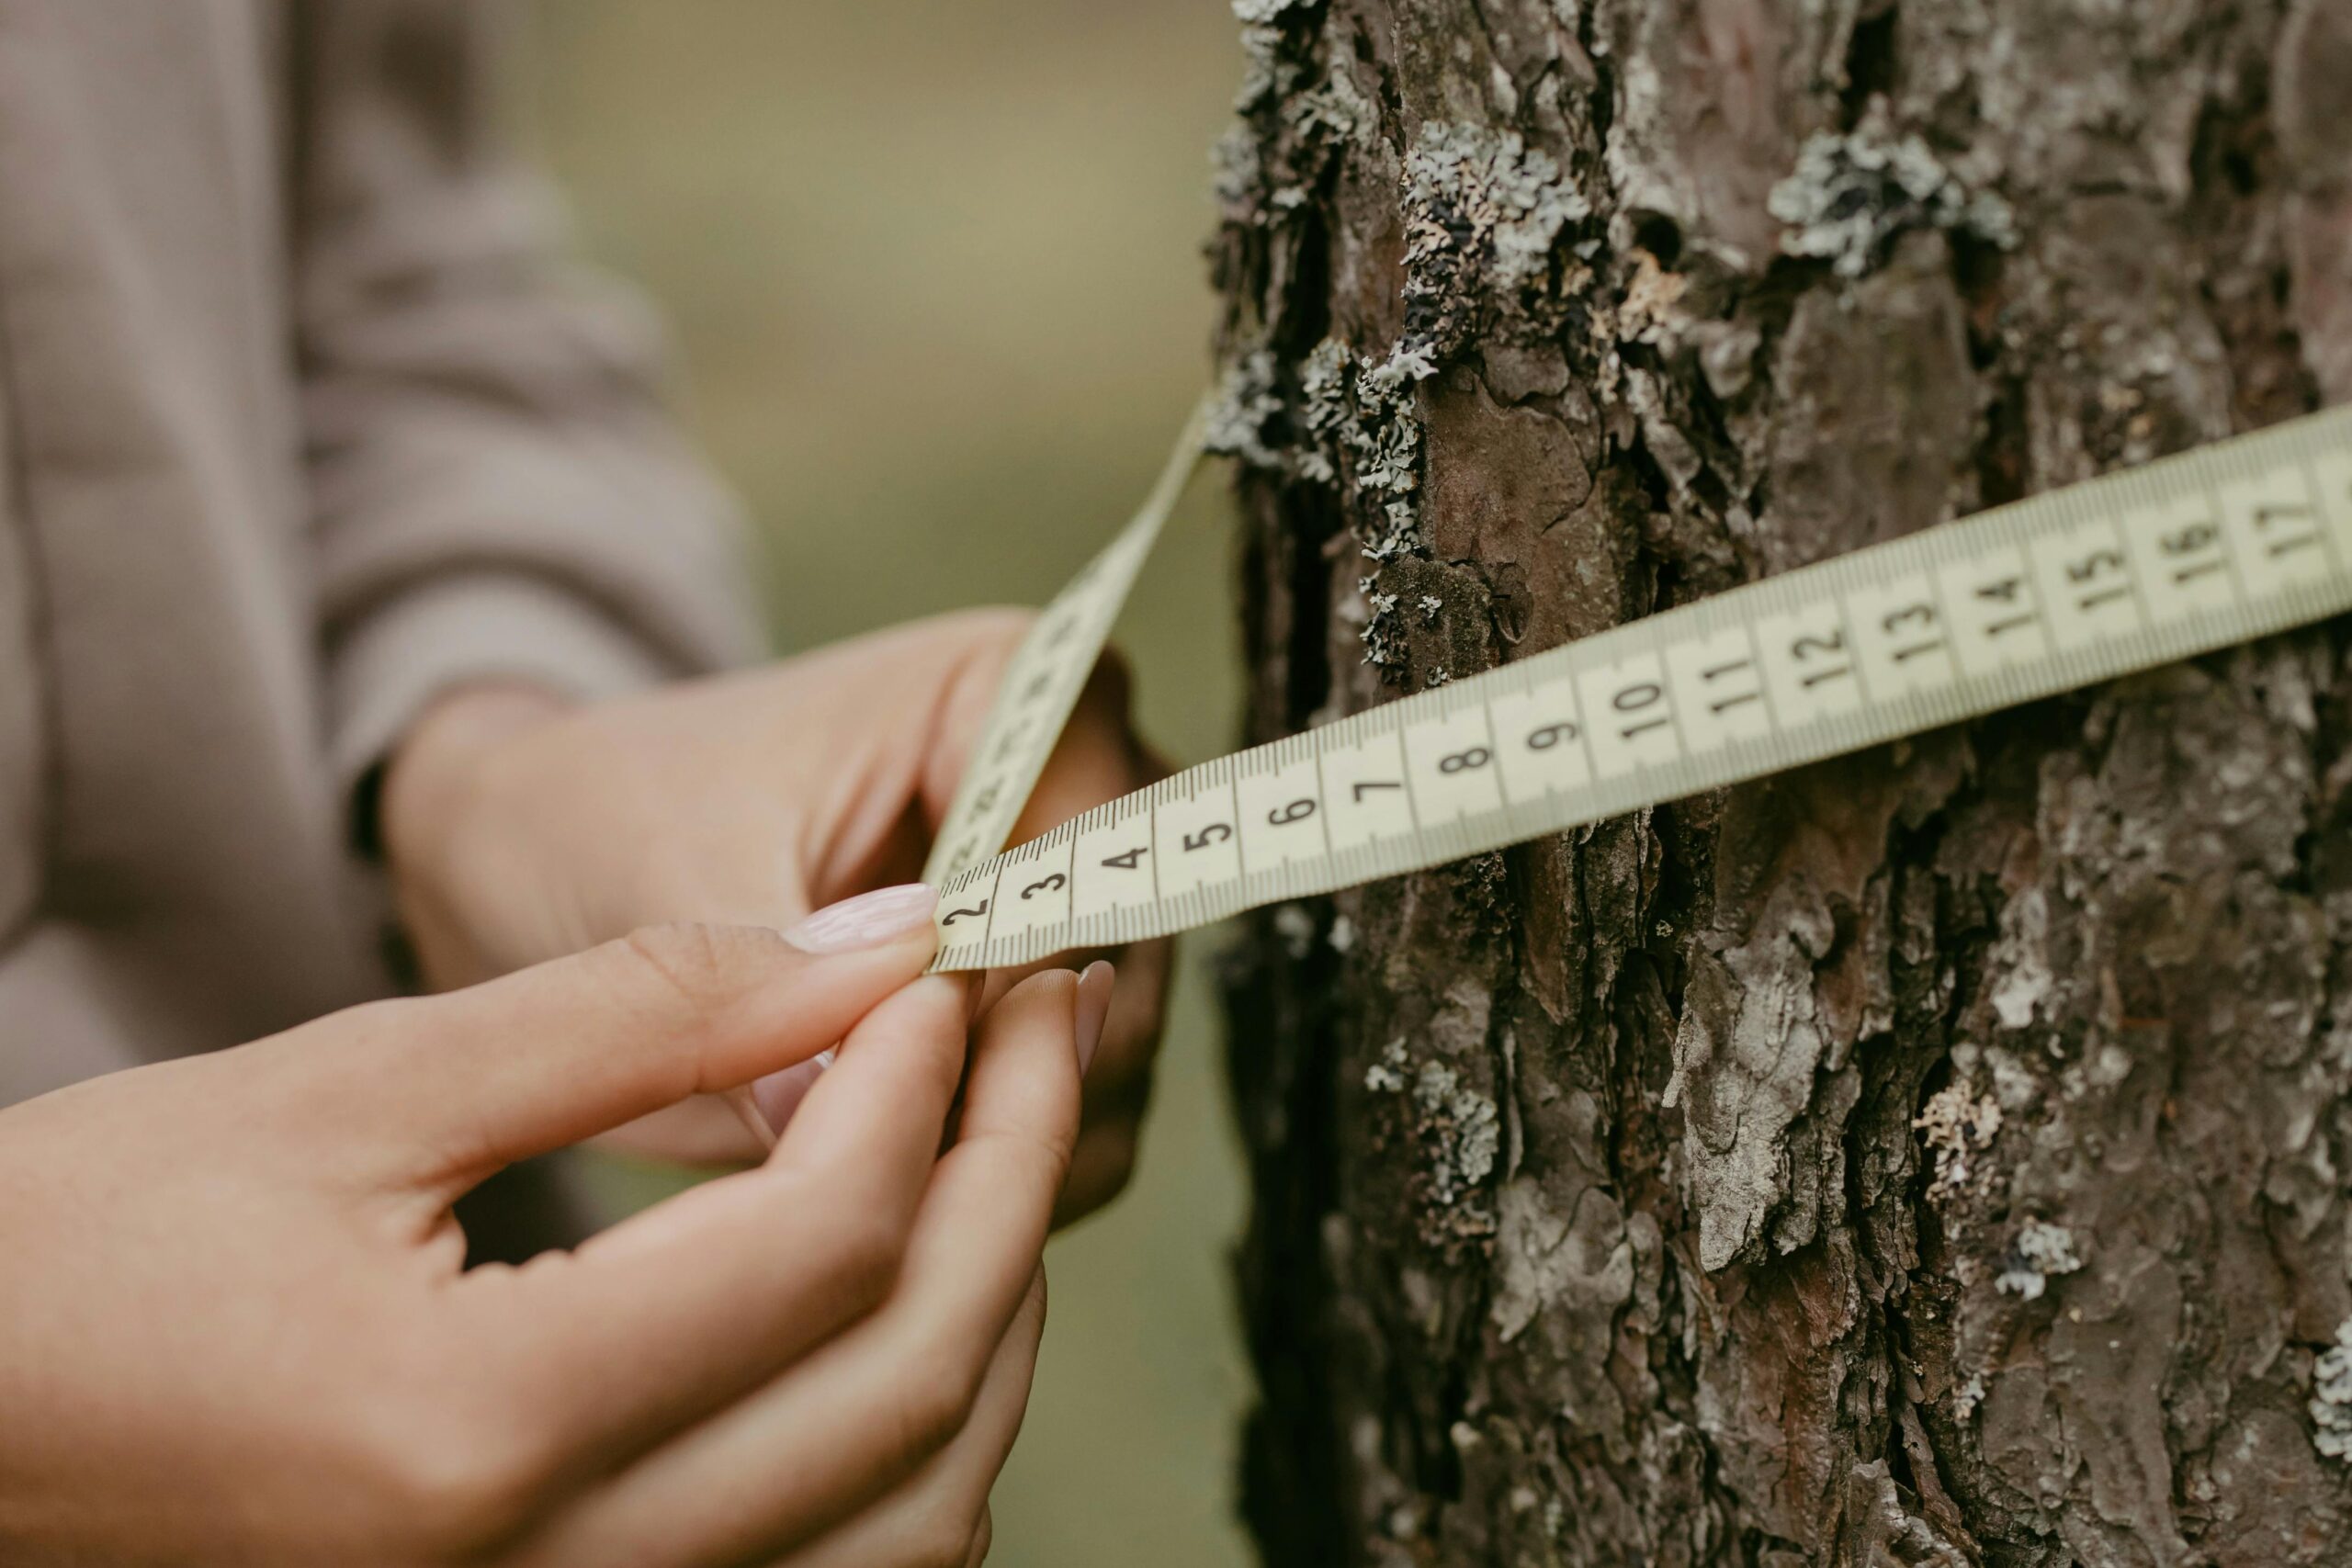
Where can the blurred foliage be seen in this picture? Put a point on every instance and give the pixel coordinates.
(933, 270)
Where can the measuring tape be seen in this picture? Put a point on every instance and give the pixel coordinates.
(2184, 555)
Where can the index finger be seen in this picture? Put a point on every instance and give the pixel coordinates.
(450, 1089)
(866, 1410)
(684, 1308)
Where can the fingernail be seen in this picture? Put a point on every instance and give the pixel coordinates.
(1093, 1007)
(870, 919)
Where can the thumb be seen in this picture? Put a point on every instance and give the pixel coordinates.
(477, 1080)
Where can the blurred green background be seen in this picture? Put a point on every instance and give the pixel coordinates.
(934, 273)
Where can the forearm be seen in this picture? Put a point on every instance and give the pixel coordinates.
(497, 492)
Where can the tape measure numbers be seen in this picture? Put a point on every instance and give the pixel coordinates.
(2190, 554)
(1040, 687)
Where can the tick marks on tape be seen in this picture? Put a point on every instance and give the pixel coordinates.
(2193, 553)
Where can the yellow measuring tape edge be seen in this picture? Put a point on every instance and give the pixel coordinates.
(2218, 546)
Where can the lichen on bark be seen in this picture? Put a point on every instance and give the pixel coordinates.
(1934, 1156)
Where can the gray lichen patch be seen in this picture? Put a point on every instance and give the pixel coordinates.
(1467, 1128)
(1323, 409)
(1387, 1074)
(1458, 1131)
(1385, 441)
(2021, 960)
(1263, 33)
(1295, 120)
(1360, 421)
(2040, 1250)
(1249, 402)
(1333, 115)
(1345, 419)
(1957, 1124)
(1268, 170)
(1295, 925)
(1484, 214)
(1344, 934)
(2331, 1403)
(1853, 192)
(1382, 636)
(1238, 170)
(1262, 81)
(1270, 162)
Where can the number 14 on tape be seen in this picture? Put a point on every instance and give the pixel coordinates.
(2230, 542)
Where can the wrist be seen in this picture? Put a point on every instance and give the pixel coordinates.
(436, 786)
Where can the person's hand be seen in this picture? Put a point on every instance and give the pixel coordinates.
(519, 831)
(235, 1327)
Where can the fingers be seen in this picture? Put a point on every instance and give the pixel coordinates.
(704, 1132)
(1096, 991)
(476, 1079)
(1119, 1080)
(1099, 1169)
(851, 1423)
(689, 1305)
(941, 1513)
(1118, 1076)
(777, 1097)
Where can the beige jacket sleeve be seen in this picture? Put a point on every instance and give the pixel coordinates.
(496, 491)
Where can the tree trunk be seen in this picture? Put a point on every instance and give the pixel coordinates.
(1935, 1157)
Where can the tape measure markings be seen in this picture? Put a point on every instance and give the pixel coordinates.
(1047, 673)
(2185, 555)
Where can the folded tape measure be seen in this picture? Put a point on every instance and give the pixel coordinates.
(2190, 554)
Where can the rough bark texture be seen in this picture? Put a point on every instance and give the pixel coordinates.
(1937, 1157)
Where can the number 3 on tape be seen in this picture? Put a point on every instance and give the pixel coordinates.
(2215, 547)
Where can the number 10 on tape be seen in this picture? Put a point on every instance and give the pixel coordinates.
(2230, 542)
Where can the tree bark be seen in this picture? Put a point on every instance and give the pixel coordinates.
(1935, 1157)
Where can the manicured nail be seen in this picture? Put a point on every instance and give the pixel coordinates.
(1093, 1007)
(870, 919)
